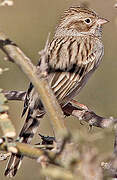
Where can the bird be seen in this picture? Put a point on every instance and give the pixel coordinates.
(74, 53)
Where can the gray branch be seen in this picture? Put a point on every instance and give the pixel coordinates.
(70, 109)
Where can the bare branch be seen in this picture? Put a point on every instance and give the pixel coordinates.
(39, 81)
(14, 95)
(74, 109)
(89, 116)
(24, 149)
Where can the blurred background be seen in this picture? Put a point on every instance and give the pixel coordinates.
(28, 23)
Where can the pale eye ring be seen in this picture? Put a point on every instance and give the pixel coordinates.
(87, 20)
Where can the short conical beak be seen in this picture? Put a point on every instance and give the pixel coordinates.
(102, 21)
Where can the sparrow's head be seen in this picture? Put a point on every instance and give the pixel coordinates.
(81, 20)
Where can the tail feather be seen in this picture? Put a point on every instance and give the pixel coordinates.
(29, 129)
(13, 165)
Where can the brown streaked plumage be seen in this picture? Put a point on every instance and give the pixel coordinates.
(74, 54)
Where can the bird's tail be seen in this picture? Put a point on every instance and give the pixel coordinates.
(13, 165)
(29, 129)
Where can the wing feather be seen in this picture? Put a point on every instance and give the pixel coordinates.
(63, 83)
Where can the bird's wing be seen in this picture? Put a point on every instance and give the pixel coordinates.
(82, 59)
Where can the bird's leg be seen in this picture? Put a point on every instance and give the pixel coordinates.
(78, 105)
(73, 108)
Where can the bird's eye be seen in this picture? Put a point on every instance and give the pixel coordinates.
(87, 20)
